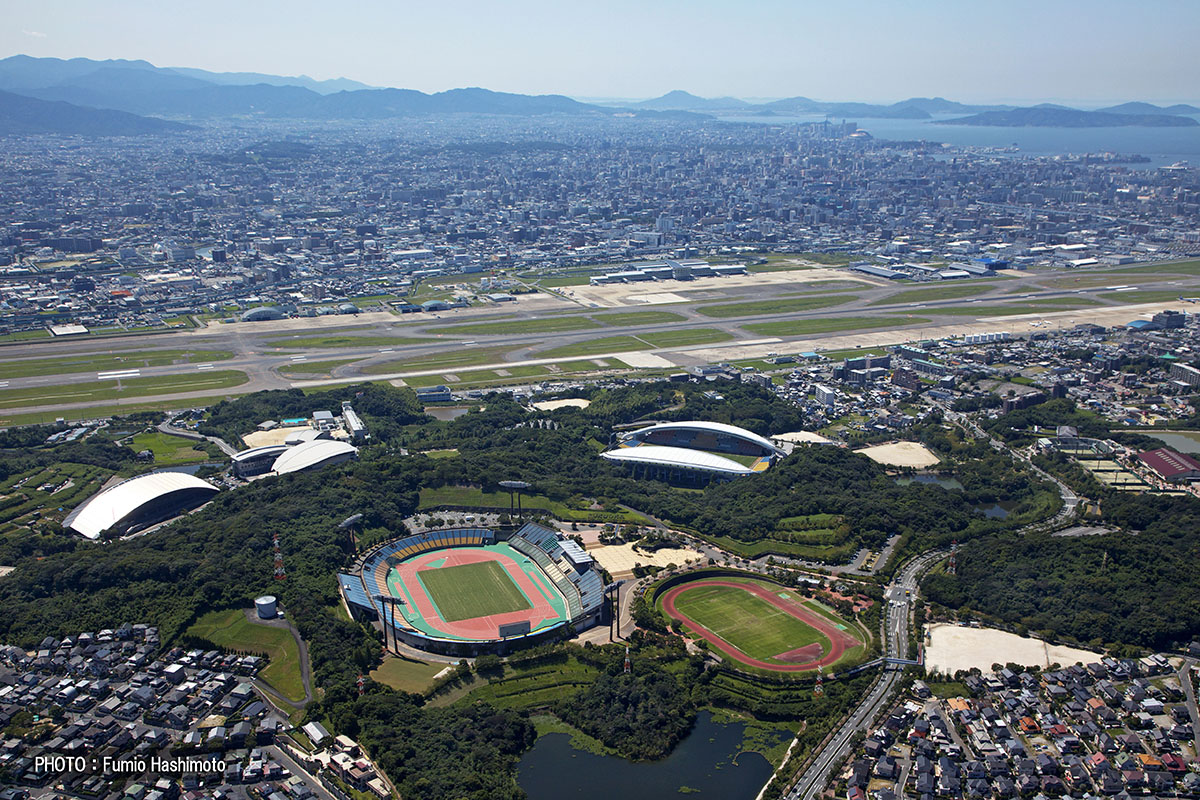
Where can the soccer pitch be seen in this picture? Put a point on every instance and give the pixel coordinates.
(752, 625)
(472, 590)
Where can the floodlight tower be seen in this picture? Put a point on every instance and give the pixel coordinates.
(514, 490)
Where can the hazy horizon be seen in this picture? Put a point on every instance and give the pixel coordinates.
(1050, 51)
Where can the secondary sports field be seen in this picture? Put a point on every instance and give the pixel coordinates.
(760, 624)
(472, 590)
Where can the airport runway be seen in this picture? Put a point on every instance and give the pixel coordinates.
(260, 349)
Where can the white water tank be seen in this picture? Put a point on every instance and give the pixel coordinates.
(265, 606)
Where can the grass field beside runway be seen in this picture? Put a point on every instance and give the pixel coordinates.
(951, 292)
(804, 327)
(560, 324)
(341, 340)
(782, 305)
(313, 368)
(685, 336)
(449, 360)
(607, 344)
(82, 392)
(625, 319)
(472, 590)
(64, 365)
(753, 626)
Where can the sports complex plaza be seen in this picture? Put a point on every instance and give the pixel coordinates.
(464, 591)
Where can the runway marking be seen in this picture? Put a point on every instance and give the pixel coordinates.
(386, 350)
(204, 366)
(118, 374)
(299, 358)
(3, 384)
(744, 342)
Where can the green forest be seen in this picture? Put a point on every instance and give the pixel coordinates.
(220, 557)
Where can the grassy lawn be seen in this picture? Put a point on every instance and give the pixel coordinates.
(230, 630)
(565, 280)
(450, 452)
(543, 325)
(25, 336)
(803, 327)
(836, 554)
(335, 340)
(471, 496)
(827, 259)
(101, 411)
(33, 367)
(623, 319)
(857, 352)
(406, 676)
(322, 368)
(782, 305)
(946, 689)
(686, 336)
(126, 387)
(534, 687)
(169, 450)
(935, 293)
(1147, 296)
(472, 590)
(450, 360)
(607, 344)
(749, 623)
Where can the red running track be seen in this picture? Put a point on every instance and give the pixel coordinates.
(839, 640)
(479, 628)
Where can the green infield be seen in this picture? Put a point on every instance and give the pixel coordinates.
(606, 344)
(1146, 296)
(231, 630)
(321, 368)
(125, 387)
(448, 359)
(804, 327)
(104, 362)
(335, 340)
(472, 590)
(749, 623)
(625, 319)
(935, 293)
(783, 305)
(680, 338)
(543, 325)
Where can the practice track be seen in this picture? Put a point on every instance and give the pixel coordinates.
(839, 640)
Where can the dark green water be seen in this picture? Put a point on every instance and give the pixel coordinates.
(703, 762)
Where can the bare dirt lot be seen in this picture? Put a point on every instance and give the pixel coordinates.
(954, 647)
(901, 454)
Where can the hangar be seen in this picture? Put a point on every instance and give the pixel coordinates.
(313, 455)
(138, 502)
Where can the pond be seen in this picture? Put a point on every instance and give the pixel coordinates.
(446, 413)
(702, 764)
(996, 510)
(945, 481)
(1181, 442)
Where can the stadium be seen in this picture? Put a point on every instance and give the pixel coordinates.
(693, 452)
(137, 503)
(758, 624)
(466, 591)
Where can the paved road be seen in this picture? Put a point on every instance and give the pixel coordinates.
(899, 596)
(1189, 690)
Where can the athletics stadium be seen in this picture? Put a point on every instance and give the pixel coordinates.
(465, 591)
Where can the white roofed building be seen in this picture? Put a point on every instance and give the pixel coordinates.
(138, 502)
(314, 455)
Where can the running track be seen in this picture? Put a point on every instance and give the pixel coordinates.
(480, 627)
(839, 640)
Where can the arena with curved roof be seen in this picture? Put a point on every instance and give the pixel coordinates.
(313, 455)
(138, 502)
(693, 452)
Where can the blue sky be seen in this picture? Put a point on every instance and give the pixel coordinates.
(870, 50)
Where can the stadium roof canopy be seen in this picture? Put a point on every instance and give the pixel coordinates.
(679, 457)
(255, 453)
(712, 427)
(317, 453)
(146, 498)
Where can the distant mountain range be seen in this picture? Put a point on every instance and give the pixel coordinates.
(143, 91)
(914, 108)
(27, 115)
(1059, 117)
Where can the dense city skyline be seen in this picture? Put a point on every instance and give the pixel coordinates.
(876, 52)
